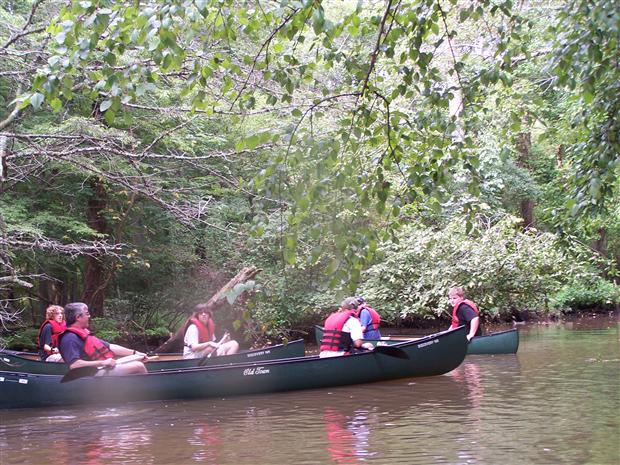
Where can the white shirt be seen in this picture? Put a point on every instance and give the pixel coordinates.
(352, 326)
(191, 338)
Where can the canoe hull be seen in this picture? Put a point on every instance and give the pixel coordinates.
(434, 355)
(503, 342)
(12, 361)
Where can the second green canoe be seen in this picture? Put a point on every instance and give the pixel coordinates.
(503, 342)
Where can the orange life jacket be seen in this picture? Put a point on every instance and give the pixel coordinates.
(57, 330)
(334, 338)
(205, 333)
(94, 348)
(455, 320)
(374, 315)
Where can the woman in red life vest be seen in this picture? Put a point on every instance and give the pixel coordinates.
(49, 331)
(464, 312)
(199, 340)
(79, 348)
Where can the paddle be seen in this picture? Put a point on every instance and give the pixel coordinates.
(204, 359)
(85, 372)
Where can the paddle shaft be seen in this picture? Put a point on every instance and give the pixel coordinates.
(204, 359)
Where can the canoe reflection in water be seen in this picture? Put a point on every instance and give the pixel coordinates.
(347, 440)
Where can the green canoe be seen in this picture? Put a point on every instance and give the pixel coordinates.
(433, 355)
(503, 342)
(30, 363)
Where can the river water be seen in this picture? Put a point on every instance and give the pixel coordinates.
(556, 402)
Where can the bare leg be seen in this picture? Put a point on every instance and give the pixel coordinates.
(228, 348)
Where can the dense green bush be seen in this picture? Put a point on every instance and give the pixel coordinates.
(106, 329)
(600, 295)
(503, 269)
(22, 340)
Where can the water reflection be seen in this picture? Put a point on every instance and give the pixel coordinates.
(205, 441)
(470, 376)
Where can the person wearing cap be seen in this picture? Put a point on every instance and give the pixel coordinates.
(369, 318)
(464, 312)
(199, 340)
(79, 348)
(342, 332)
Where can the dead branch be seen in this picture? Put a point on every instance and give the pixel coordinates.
(243, 276)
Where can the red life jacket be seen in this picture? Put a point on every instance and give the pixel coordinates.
(334, 338)
(94, 348)
(57, 330)
(205, 333)
(455, 320)
(376, 318)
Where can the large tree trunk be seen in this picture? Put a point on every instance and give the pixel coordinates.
(524, 145)
(176, 340)
(95, 282)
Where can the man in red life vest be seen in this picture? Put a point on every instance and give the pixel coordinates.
(464, 312)
(47, 338)
(343, 331)
(199, 340)
(79, 348)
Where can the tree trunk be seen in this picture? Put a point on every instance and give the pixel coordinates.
(600, 243)
(526, 207)
(95, 282)
(176, 340)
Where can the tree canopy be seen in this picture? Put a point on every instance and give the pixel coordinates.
(161, 139)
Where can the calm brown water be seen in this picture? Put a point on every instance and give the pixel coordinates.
(556, 402)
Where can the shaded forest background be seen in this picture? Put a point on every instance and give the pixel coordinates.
(151, 150)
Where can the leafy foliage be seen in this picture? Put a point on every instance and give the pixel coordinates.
(302, 136)
(600, 295)
(503, 269)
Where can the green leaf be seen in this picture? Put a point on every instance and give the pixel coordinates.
(36, 99)
(105, 105)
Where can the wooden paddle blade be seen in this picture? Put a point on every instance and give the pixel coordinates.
(392, 351)
(77, 373)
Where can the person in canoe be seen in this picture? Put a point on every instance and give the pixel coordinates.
(199, 340)
(342, 332)
(79, 348)
(464, 312)
(369, 318)
(50, 329)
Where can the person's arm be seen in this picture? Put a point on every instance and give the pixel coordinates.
(46, 337)
(469, 315)
(473, 327)
(355, 330)
(70, 349)
(191, 340)
(365, 319)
